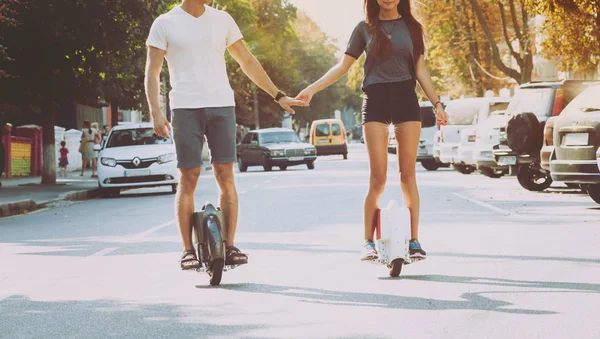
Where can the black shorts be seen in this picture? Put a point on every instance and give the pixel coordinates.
(391, 103)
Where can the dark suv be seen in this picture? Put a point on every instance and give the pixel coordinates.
(576, 140)
(522, 138)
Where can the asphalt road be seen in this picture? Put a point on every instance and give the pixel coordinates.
(503, 263)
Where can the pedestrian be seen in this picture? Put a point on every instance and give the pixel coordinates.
(393, 42)
(105, 132)
(5, 129)
(63, 161)
(88, 137)
(193, 37)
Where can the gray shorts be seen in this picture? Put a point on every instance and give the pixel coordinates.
(191, 125)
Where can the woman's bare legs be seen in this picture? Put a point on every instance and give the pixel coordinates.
(376, 139)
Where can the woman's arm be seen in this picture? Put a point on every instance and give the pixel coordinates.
(427, 85)
(333, 75)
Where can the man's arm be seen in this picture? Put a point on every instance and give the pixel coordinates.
(154, 63)
(254, 70)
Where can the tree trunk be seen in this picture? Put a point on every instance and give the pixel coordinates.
(114, 112)
(49, 153)
(256, 108)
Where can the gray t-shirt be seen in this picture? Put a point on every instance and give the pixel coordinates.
(400, 66)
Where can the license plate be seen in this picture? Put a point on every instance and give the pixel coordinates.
(507, 160)
(322, 141)
(295, 158)
(137, 173)
(576, 139)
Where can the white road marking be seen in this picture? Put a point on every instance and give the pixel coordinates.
(155, 229)
(104, 252)
(484, 204)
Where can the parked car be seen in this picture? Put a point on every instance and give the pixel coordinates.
(464, 113)
(270, 147)
(133, 156)
(329, 137)
(576, 138)
(533, 104)
(486, 137)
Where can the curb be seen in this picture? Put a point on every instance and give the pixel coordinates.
(25, 206)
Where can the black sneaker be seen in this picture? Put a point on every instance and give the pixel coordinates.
(415, 250)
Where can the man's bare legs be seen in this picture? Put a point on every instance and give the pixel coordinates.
(184, 204)
(228, 198)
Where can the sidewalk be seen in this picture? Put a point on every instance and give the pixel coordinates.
(19, 195)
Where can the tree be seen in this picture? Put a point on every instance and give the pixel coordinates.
(571, 32)
(457, 54)
(519, 24)
(72, 51)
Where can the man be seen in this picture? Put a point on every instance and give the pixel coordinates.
(5, 129)
(193, 38)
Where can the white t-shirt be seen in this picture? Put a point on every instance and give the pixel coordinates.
(195, 53)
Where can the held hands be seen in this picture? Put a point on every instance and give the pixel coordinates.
(286, 103)
(306, 96)
(162, 127)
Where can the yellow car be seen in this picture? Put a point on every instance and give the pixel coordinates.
(329, 137)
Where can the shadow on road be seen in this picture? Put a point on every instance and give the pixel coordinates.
(25, 318)
(471, 301)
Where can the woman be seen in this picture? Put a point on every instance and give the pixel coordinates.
(393, 42)
(88, 137)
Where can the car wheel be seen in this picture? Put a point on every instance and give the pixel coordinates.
(266, 164)
(533, 179)
(464, 169)
(430, 165)
(241, 165)
(594, 192)
(491, 173)
(174, 189)
(283, 168)
(310, 165)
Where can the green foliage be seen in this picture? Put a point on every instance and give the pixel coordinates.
(571, 32)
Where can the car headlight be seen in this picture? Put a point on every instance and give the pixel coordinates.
(163, 159)
(309, 151)
(110, 162)
(277, 152)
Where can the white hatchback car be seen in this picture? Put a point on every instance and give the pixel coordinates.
(134, 157)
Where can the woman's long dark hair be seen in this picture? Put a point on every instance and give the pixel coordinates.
(381, 45)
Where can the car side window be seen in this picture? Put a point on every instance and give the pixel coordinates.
(255, 138)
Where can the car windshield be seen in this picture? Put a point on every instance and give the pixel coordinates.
(135, 137)
(463, 112)
(586, 102)
(532, 100)
(279, 137)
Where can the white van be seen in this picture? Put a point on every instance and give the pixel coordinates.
(457, 139)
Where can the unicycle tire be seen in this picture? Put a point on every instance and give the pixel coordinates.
(396, 268)
(216, 271)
